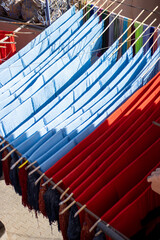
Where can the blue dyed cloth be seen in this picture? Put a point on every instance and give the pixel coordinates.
(82, 122)
(37, 80)
(76, 92)
(127, 91)
(32, 44)
(125, 25)
(43, 50)
(54, 86)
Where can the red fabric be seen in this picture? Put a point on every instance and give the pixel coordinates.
(23, 176)
(127, 199)
(41, 201)
(10, 50)
(99, 130)
(108, 146)
(107, 171)
(71, 166)
(125, 180)
(100, 173)
(88, 222)
(128, 221)
(6, 167)
(93, 162)
(63, 220)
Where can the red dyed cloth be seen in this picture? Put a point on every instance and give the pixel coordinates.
(63, 220)
(110, 145)
(23, 176)
(83, 145)
(81, 164)
(124, 181)
(6, 167)
(116, 161)
(10, 50)
(128, 198)
(129, 220)
(88, 222)
(42, 191)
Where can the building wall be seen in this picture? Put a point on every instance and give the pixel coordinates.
(131, 12)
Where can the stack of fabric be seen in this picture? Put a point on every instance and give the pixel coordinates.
(66, 114)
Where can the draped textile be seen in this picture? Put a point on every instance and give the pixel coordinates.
(10, 49)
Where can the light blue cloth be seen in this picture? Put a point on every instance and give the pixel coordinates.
(64, 43)
(43, 50)
(88, 111)
(64, 104)
(91, 111)
(72, 96)
(56, 85)
(122, 96)
(18, 134)
(35, 86)
(36, 41)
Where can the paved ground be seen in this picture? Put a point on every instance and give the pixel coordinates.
(21, 224)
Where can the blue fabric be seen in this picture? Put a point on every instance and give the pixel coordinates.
(112, 105)
(85, 85)
(64, 43)
(125, 25)
(37, 116)
(90, 112)
(57, 84)
(35, 86)
(37, 40)
(43, 50)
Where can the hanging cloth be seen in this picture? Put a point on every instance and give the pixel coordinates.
(14, 174)
(145, 38)
(10, 49)
(6, 167)
(125, 25)
(87, 166)
(44, 76)
(59, 165)
(154, 38)
(127, 199)
(138, 32)
(124, 181)
(120, 33)
(129, 33)
(126, 224)
(36, 60)
(55, 25)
